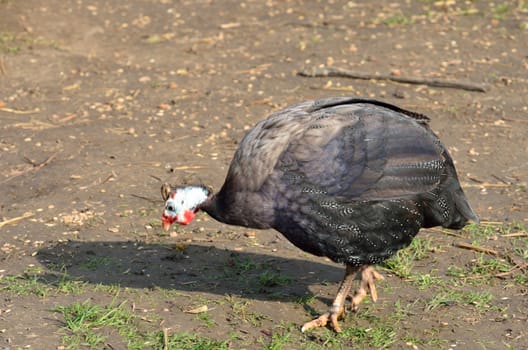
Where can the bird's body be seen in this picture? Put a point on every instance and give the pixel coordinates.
(350, 179)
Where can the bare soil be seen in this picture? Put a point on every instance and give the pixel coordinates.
(102, 101)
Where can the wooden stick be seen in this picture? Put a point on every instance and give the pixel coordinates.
(508, 273)
(446, 232)
(3, 69)
(334, 88)
(36, 166)
(188, 167)
(345, 73)
(516, 234)
(155, 201)
(165, 339)
(18, 111)
(475, 248)
(454, 234)
(16, 219)
(491, 223)
(486, 184)
(44, 163)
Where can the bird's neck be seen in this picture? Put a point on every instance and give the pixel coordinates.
(220, 206)
(233, 208)
(214, 207)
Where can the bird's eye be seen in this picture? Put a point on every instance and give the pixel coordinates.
(170, 208)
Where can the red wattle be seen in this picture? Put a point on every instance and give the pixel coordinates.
(188, 216)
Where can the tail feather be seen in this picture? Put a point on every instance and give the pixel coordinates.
(465, 209)
(462, 213)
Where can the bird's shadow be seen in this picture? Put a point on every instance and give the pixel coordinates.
(186, 268)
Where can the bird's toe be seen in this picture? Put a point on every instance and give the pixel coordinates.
(320, 321)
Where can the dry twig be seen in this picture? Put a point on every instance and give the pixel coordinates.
(345, 73)
(3, 69)
(446, 232)
(18, 111)
(512, 271)
(516, 234)
(155, 201)
(165, 338)
(477, 249)
(16, 219)
(487, 185)
(36, 166)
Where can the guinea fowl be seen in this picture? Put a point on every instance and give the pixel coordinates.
(350, 179)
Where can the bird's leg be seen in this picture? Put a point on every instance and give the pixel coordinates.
(368, 276)
(338, 306)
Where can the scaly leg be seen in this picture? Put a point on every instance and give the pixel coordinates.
(368, 276)
(338, 306)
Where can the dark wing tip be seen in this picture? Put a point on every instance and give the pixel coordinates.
(338, 101)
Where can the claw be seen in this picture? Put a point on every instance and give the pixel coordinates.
(337, 310)
(333, 314)
(374, 275)
(368, 276)
(320, 321)
(335, 324)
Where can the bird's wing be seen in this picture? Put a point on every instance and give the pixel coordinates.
(361, 150)
(258, 152)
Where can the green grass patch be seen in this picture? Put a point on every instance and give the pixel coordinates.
(85, 321)
(255, 276)
(368, 329)
(13, 43)
(88, 325)
(26, 284)
(426, 281)
(281, 338)
(501, 11)
(241, 266)
(485, 268)
(273, 279)
(378, 335)
(112, 289)
(306, 299)
(8, 43)
(186, 341)
(69, 286)
(486, 230)
(206, 319)
(397, 20)
(95, 263)
(401, 264)
(480, 300)
(241, 310)
(479, 233)
(34, 282)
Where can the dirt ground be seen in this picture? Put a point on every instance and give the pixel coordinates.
(102, 101)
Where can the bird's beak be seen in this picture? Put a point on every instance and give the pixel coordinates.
(165, 223)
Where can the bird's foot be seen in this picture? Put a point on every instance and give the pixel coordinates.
(333, 314)
(368, 276)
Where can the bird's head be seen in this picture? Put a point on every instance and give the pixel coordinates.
(182, 203)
